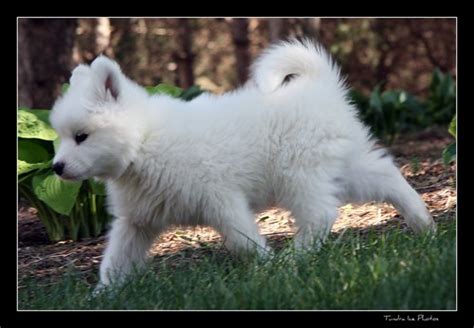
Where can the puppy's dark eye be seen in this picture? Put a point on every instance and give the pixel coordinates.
(80, 137)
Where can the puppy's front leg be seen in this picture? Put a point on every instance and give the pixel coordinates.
(127, 249)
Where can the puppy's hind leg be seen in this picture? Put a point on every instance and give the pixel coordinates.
(374, 177)
(313, 205)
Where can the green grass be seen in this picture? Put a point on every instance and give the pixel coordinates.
(393, 270)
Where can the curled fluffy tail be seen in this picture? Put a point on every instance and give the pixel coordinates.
(290, 60)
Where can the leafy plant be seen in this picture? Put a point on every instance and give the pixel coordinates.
(441, 105)
(391, 112)
(67, 209)
(449, 153)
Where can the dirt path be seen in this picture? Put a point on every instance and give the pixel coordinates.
(418, 156)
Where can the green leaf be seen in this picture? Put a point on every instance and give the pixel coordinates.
(436, 79)
(452, 127)
(449, 153)
(32, 152)
(56, 143)
(402, 97)
(64, 88)
(414, 104)
(446, 86)
(35, 125)
(375, 99)
(191, 93)
(24, 167)
(391, 97)
(97, 187)
(42, 114)
(57, 194)
(167, 89)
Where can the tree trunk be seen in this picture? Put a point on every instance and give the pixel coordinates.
(183, 55)
(85, 43)
(311, 27)
(102, 35)
(417, 30)
(126, 45)
(277, 29)
(45, 59)
(240, 37)
(25, 71)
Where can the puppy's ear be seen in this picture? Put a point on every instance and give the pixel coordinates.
(108, 75)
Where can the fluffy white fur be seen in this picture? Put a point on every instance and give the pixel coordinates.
(217, 160)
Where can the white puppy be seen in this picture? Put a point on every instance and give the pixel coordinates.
(289, 138)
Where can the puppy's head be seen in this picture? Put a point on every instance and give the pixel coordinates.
(95, 123)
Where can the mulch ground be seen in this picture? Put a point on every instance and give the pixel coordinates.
(418, 156)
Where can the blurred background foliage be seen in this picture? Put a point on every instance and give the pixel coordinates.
(214, 53)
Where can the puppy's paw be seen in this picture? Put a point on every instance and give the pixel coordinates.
(98, 290)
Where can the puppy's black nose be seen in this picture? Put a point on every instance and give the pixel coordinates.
(58, 168)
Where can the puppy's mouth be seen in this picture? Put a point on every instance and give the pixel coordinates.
(70, 177)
